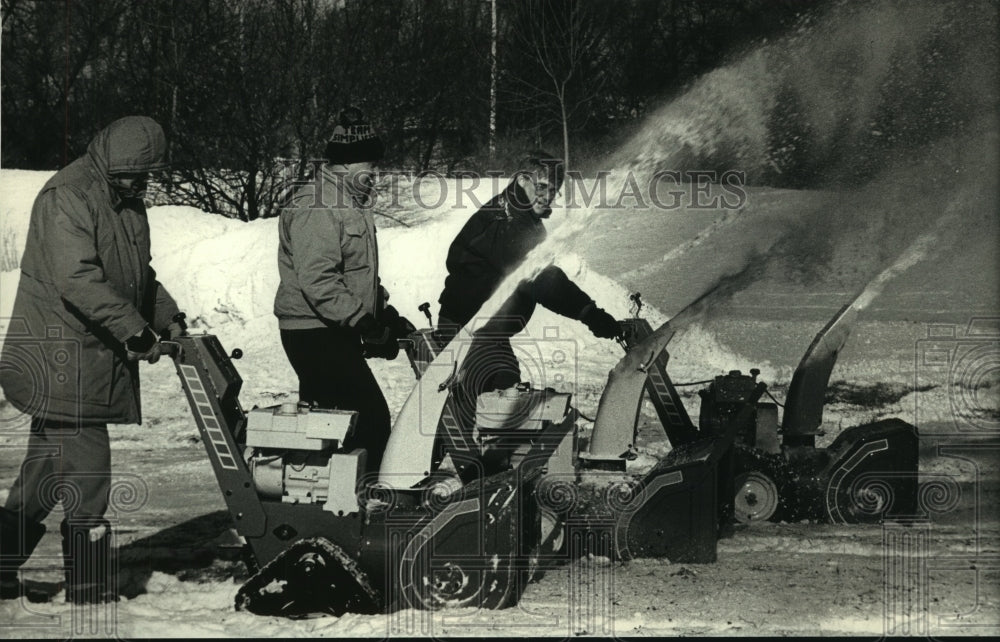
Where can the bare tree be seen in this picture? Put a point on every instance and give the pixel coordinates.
(564, 41)
(493, 79)
(50, 53)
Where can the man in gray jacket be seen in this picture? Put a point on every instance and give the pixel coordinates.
(88, 308)
(330, 305)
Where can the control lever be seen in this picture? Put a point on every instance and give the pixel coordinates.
(425, 307)
(178, 318)
(636, 299)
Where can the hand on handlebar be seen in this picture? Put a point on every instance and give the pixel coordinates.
(143, 346)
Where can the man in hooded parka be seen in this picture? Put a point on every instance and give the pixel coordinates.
(88, 308)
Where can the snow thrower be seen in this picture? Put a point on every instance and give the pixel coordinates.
(464, 512)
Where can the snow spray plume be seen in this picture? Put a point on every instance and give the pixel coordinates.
(837, 101)
(757, 265)
(916, 252)
(718, 293)
(893, 105)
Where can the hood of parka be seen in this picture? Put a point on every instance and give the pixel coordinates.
(130, 145)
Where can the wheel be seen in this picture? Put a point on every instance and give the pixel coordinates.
(756, 497)
(447, 585)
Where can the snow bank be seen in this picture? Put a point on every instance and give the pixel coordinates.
(19, 189)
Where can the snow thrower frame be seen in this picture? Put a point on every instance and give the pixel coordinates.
(479, 519)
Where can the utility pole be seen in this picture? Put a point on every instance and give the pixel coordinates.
(493, 80)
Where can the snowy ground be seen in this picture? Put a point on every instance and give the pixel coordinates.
(178, 581)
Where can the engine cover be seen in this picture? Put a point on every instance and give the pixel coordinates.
(297, 427)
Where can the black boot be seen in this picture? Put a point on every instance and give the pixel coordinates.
(18, 538)
(88, 561)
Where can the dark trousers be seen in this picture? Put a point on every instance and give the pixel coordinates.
(491, 363)
(333, 374)
(64, 463)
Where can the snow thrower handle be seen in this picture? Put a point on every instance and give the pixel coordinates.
(171, 348)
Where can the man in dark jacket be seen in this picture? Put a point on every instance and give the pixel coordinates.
(491, 245)
(330, 304)
(86, 309)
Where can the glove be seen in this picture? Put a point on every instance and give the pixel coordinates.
(400, 326)
(372, 331)
(177, 327)
(602, 324)
(143, 346)
(377, 339)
